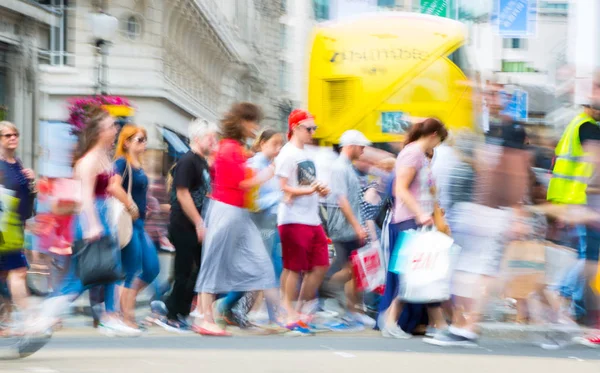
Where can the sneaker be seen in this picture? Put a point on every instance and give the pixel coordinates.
(196, 314)
(431, 332)
(591, 341)
(116, 328)
(299, 329)
(174, 326)
(364, 320)
(448, 339)
(344, 326)
(394, 332)
(158, 307)
(550, 343)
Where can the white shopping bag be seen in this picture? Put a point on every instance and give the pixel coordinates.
(426, 268)
(368, 267)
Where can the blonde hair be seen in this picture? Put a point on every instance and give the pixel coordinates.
(6, 124)
(127, 132)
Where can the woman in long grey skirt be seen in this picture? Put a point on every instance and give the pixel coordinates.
(234, 258)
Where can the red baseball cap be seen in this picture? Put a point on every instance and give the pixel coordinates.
(296, 118)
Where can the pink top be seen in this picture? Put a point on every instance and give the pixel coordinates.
(412, 156)
(229, 172)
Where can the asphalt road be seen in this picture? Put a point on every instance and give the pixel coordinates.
(324, 353)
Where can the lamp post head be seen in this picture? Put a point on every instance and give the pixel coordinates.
(104, 27)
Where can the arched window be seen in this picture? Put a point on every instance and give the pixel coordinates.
(133, 28)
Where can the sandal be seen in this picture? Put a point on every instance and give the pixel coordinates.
(209, 333)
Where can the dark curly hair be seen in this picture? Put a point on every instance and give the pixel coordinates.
(232, 126)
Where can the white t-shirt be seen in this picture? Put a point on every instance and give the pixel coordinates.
(295, 165)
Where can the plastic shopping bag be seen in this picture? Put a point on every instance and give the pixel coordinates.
(368, 268)
(11, 227)
(403, 240)
(426, 267)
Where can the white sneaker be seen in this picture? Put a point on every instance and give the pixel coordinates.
(116, 328)
(394, 332)
(363, 319)
(196, 314)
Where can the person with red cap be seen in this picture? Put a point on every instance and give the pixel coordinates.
(303, 240)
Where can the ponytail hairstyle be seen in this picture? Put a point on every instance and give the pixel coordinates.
(426, 128)
(264, 136)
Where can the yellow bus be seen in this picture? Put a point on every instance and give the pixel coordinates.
(380, 72)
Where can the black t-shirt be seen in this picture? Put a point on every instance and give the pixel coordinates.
(192, 173)
(589, 132)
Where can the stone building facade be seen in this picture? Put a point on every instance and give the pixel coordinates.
(175, 60)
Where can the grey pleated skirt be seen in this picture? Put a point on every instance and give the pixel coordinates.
(234, 257)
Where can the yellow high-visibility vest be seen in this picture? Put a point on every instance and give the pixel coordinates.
(571, 172)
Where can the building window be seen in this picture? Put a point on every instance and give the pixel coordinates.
(386, 3)
(57, 53)
(133, 28)
(282, 36)
(514, 43)
(284, 6)
(283, 76)
(516, 67)
(321, 9)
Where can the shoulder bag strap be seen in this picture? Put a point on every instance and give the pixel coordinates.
(130, 179)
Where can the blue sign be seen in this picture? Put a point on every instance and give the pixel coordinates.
(515, 18)
(515, 106)
(394, 122)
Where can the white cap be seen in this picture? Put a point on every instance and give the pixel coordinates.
(354, 137)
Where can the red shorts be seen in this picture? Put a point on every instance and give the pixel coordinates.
(303, 247)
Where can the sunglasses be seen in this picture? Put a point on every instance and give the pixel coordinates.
(140, 140)
(310, 129)
(10, 135)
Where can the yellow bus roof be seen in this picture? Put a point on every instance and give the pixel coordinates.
(396, 23)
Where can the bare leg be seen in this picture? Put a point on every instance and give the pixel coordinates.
(17, 283)
(209, 322)
(436, 318)
(311, 284)
(289, 294)
(393, 313)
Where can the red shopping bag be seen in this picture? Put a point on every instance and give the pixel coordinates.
(367, 267)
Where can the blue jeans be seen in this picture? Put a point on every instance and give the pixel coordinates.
(139, 257)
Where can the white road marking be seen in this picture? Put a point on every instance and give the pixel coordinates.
(41, 370)
(575, 358)
(327, 347)
(344, 354)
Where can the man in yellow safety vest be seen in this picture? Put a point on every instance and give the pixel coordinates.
(571, 176)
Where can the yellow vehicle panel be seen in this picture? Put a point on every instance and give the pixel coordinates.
(379, 72)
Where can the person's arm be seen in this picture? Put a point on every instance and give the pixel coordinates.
(115, 188)
(182, 183)
(189, 208)
(283, 169)
(296, 191)
(86, 171)
(260, 178)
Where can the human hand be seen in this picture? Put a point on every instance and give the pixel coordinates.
(425, 219)
(200, 232)
(133, 211)
(28, 173)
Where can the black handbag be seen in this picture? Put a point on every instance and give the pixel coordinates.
(99, 261)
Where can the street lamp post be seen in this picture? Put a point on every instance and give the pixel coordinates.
(104, 27)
